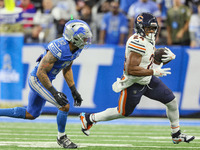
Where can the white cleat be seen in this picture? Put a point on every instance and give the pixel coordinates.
(180, 137)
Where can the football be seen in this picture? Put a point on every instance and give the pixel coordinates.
(158, 54)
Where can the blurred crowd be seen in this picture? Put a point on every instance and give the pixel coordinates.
(111, 21)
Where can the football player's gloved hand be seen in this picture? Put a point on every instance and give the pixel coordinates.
(77, 97)
(60, 97)
(169, 56)
(161, 72)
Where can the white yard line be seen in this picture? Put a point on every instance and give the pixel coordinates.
(54, 145)
(79, 132)
(99, 136)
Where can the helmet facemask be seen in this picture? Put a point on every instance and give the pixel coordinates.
(150, 33)
(82, 40)
(147, 26)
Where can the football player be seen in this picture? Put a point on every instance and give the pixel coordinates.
(140, 78)
(59, 55)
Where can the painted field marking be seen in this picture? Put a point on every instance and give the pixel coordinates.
(54, 145)
(99, 136)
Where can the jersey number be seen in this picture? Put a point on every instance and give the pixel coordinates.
(56, 71)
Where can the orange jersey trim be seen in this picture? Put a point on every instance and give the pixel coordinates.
(137, 47)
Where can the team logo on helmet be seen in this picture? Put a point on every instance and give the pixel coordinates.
(80, 30)
(140, 18)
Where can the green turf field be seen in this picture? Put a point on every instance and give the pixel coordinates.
(42, 136)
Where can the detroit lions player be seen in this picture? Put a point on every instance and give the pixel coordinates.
(139, 79)
(58, 56)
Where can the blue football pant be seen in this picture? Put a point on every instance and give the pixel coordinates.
(38, 96)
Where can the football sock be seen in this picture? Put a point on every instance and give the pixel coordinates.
(175, 129)
(61, 120)
(17, 112)
(60, 134)
(108, 114)
(173, 115)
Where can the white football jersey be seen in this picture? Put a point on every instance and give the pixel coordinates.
(146, 48)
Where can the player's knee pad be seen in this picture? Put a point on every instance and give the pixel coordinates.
(172, 105)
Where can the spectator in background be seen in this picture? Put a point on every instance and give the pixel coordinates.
(28, 13)
(86, 14)
(143, 6)
(37, 4)
(194, 28)
(177, 24)
(79, 5)
(98, 11)
(44, 22)
(62, 13)
(114, 26)
(34, 36)
(105, 6)
(164, 5)
(1, 4)
(17, 2)
(192, 4)
(124, 5)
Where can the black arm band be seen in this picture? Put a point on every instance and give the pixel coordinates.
(52, 90)
(73, 88)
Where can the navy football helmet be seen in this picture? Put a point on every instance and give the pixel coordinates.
(144, 21)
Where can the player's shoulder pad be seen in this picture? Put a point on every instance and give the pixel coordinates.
(136, 44)
(56, 47)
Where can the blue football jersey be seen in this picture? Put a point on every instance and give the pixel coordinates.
(60, 49)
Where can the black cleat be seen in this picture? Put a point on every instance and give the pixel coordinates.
(65, 142)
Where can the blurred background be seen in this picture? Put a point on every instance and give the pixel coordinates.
(27, 27)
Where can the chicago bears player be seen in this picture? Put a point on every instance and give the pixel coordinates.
(140, 78)
(59, 55)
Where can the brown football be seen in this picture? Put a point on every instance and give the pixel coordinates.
(158, 54)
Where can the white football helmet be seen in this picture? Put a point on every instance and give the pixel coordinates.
(78, 32)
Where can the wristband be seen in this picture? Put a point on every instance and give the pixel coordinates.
(52, 90)
(73, 88)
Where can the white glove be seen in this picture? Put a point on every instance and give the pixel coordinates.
(169, 56)
(161, 72)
